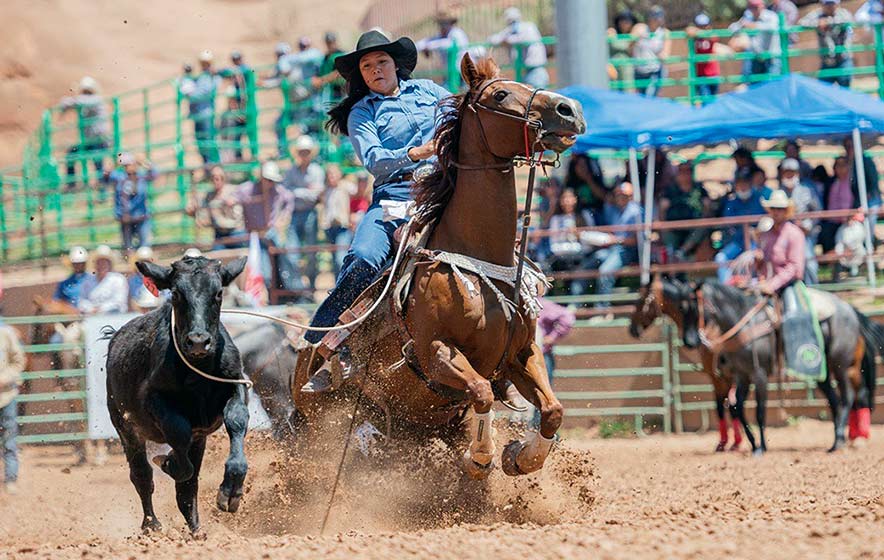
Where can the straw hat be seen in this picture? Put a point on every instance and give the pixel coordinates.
(103, 252)
(144, 254)
(270, 170)
(778, 199)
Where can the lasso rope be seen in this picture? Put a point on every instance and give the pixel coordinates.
(247, 382)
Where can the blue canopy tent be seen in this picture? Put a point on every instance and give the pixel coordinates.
(794, 106)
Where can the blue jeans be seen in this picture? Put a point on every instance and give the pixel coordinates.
(609, 260)
(337, 235)
(302, 231)
(537, 77)
(811, 266)
(843, 80)
(728, 253)
(651, 82)
(755, 67)
(90, 147)
(8, 433)
(204, 134)
(369, 253)
(288, 275)
(140, 230)
(707, 90)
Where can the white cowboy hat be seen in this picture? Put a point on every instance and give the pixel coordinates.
(78, 255)
(778, 199)
(144, 254)
(88, 83)
(207, 56)
(193, 252)
(306, 143)
(103, 252)
(270, 170)
(125, 158)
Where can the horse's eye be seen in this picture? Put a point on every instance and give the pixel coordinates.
(500, 95)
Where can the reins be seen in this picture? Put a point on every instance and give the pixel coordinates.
(717, 343)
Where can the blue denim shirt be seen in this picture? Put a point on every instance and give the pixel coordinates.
(70, 288)
(733, 207)
(631, 214)
(130, 197)
(383, 129)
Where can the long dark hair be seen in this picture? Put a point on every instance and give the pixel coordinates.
(356, 90)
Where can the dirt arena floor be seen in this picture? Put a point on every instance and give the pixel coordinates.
(657, 497)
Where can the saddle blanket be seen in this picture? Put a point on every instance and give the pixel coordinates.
(803, 344)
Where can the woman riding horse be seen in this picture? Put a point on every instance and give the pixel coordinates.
(390, 120)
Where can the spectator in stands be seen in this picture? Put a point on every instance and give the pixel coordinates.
(622, 247)
(652, 48)
(237, 73)
(686, 200)
(620, 43)
(220, 210)
(790, 15)
(232, 127)
(743, 201)
(804, 200)
(585, 178)
(566, 250)
(524, 37)
(335, 217)
(305, 180)
(200, 93)
(70, 289)
(764, 45)
(327, 73)
(130, 200)
(12, 363)
(709, 71)
(279, 79)
(664, 172)
(549, 191)
(834, 32)
(871, 173)
(106, 291)
(759, 183)
(267, 206)
(299, 70)
(820, 180)
(92, 129)
(361, 199)
(793, 151)
(141, 297)
(744, 159)
(449, 35)
(870, 13)
(554, 323)
(840, 194)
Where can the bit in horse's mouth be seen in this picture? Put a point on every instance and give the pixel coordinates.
(566, 138)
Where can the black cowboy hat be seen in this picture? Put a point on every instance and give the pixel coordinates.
(403, 51)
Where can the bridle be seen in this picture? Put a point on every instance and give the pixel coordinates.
(528, 125)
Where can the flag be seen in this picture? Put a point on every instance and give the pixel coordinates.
(254, 279)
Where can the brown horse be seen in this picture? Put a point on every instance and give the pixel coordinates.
(425, 371)
(661, 298)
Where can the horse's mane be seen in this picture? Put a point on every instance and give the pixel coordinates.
(731, 297)
(432, 193)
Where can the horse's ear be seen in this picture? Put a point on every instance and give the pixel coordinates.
(231, 270)
(469, 71)
(161, 275)
(488, 68)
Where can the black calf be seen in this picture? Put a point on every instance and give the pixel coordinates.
(153, 395)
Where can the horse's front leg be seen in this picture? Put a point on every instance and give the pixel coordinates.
(449, 366)
(236, 421)
(528, 455)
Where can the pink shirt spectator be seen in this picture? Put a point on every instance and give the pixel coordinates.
(840, 196)
(555, 322)
(783, 249)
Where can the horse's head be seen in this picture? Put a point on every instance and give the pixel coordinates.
(196, 284)
(670, 297)
(505, 109)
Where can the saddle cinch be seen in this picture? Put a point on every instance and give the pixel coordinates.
(389, 318)
(799, 337)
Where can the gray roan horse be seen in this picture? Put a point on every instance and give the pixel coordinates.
(850, 355)
(152, 394)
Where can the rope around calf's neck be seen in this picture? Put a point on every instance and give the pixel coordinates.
(247, 382)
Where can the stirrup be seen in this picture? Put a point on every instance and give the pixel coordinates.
(502, 393)
(334, 371)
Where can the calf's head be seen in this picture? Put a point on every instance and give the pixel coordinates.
(196, 285)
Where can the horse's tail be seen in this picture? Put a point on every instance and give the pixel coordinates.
(873, 335)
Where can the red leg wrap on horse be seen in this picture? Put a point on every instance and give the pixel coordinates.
(722, 430)
(852, 425)
(738, 432)
(864, 422)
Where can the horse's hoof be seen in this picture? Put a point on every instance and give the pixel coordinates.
(722, 445)
(198, 534)
(228, 503)
(509, 458)
(150, 525)
(838, 446)
(759, 452)
(475, 470)
(736, 447)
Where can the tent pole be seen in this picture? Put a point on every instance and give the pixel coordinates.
(864, 203)
(648, 217)
(633, 175)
